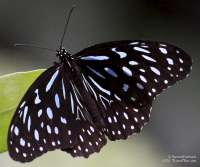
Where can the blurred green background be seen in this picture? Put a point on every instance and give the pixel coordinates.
(174, 127)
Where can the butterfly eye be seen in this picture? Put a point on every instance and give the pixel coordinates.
(58, 53)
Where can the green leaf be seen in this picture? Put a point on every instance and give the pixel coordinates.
(12, 89)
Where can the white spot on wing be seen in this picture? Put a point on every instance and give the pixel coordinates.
(109, 120)
(11, 129)
(17, 150)
(48, 129)
(162, 45)
(144, 46)
(153, 90)
(170, 61)
(133, 63)
(117, 97)
(50, 83)
(166, 81)
(22, 141)
(63, 120)
(37, 99)
(134, 43)
(143, 78)
(111, 72)
(142, 70)
(63, 89)
(125, 115)
(22, 105)
(141, 49)
(29, 123)
(95, 58)
(163, 50)
(96, 72)
(36, 134)
(127, 71)
(25, 113)
(136, 120)
(181, 61)
(155, 70)
(115, 119)
(57, 100)
(148, 58)
(41, 148)
(39, 113)
(121, 54)
(81, 138)
(91, 128)
(49, 113)
(56, 130)
(72, 103)
(140, 86)
(125, 87)
(133, 99)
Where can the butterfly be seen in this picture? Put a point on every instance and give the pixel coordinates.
(104, 90)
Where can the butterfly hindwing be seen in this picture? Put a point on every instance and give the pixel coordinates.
(124, 77)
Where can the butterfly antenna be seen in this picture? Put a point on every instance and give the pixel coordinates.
(66, 24)
(34, 46)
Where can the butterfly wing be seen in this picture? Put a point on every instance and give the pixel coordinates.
(48, 118)
(124, 77)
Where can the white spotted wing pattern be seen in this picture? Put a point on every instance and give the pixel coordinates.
(105, 89)
(129, 79)
(50, 116)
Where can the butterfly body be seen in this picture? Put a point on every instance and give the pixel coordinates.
(104, 90)
(68, 61)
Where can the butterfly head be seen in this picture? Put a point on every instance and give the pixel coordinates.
(62, 54)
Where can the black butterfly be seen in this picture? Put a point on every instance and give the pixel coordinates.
(106, 89)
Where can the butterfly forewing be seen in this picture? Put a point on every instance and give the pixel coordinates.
(124, 77)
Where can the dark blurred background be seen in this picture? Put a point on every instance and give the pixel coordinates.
(174, 127)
